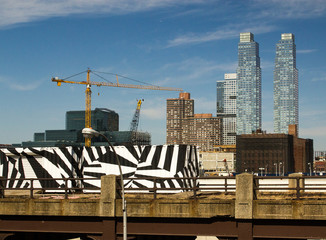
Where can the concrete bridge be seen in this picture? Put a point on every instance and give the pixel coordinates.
(251, 211)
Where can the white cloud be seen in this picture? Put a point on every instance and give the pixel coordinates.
(227, 32)
(23, 11)
(24, 87)
(20, 86)
(305, 51)
(154, 113)
(291, 9)
(194, 71)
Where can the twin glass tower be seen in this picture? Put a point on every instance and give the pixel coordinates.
(285, 85)
(248, 85)
(247, 117)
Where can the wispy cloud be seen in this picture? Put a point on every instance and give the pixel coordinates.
(227, 32)
(317, 79)
(190, 71)
(25, 87)
(19, 86)
(290, 9)
(21, 11)
(306, 51)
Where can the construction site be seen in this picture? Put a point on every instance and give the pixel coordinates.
(103, 120)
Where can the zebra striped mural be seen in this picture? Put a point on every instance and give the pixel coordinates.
(93, 162)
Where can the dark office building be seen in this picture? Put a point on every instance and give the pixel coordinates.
(273, 153)
(103, 119)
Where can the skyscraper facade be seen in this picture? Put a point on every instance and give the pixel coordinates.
(248, 85)
(177, 109)
(226, 107)
(185, 127)
(285, 84)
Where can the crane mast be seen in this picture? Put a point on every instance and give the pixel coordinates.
(135, 119)
(88, 94)
(88, 110)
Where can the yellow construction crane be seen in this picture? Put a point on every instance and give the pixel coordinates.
(88, 94)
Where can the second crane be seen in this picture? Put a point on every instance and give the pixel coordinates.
(88, 93)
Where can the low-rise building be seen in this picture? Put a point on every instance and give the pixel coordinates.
(272, 153)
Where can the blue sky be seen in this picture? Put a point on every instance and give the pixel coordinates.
(187, 44)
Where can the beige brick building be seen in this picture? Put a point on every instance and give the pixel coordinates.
(185, 127)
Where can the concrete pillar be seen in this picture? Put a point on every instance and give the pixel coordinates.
(108, 195)
(293, 183)
(244, 196)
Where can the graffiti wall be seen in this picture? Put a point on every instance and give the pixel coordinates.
(48, 164)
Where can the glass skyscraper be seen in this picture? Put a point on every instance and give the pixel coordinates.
(226, 106)
(248, 85)
(285, 84)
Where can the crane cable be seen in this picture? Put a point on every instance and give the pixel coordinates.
(114, 74)
(74, 75)
(132, 79)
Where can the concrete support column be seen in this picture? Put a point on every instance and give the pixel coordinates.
(108, 195)
(244, 196)
(293, 183)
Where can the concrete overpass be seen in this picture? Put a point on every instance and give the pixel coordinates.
(247, 213)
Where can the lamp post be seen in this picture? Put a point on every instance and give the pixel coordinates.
(275, 164)
(89, 133)
(309, 164)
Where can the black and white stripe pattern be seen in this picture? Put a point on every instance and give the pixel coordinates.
(161, 161)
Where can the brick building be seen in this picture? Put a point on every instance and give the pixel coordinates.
(185, 127)
(274, 153)
(177, 109)
(202, 130)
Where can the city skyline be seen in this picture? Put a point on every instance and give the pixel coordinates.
(188, 44)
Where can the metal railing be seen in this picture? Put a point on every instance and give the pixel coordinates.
(300, 186)
(69, 185)
(193, 184)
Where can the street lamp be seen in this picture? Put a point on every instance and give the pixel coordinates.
(309, 164)
(275, 164)
(89, 133)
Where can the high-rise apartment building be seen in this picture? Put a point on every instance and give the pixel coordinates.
(226, 107)
(285, 84)
(203, 130)
(248, 85)
(177, 109)
(185, 127)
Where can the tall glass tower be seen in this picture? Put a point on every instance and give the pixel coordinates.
(226, 106)
(285, 84)
(248, 85)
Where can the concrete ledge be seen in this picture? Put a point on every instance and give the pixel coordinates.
(290, 209)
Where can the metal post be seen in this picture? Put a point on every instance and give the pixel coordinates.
(124, 203)
(88, 133)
